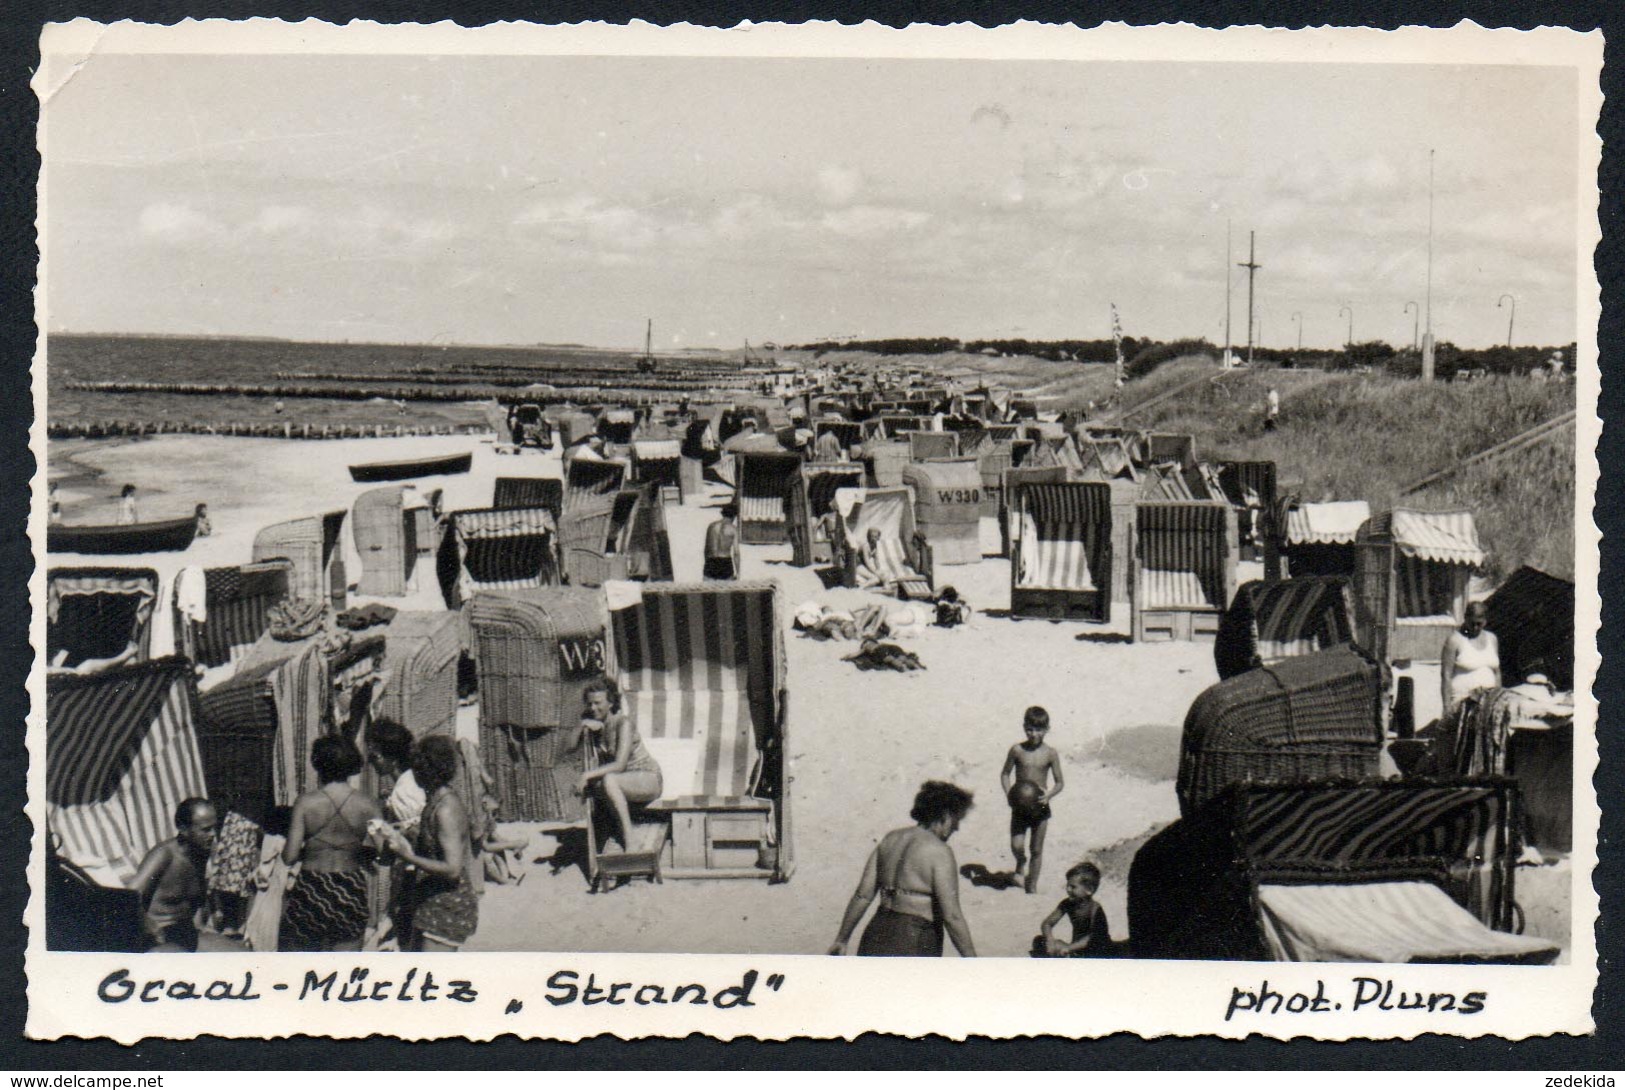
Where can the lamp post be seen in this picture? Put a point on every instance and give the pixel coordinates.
(1507, 297)
(1297, 316)
(1416, 325)
(1350, 308)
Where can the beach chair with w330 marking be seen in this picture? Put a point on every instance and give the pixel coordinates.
(701, 668)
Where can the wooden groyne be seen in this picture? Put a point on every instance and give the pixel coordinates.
(420, 392)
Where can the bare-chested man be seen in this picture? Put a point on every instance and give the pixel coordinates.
(917, 879)
(170, 881)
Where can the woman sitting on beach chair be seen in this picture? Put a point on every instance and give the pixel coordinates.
(628, 773)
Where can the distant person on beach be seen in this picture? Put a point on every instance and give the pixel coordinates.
(1470, 659)
(915, 875)
(1091, 933)
(55, 504)
(722, 545)
(201, 514)
(1025, 778)
(127, 515)
(1272, 409)
(827, 448)
(169, 882)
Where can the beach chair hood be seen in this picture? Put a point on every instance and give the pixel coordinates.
(95, 613)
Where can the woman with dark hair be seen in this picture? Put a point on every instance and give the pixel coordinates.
(626, 772)
(327, 907)
(444, 909)
(914, 873)
(127, 514)
(389, 752)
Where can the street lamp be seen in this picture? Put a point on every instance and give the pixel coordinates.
(1350, 308)
(1416, 325)
(1506, 297)
(1297, 316)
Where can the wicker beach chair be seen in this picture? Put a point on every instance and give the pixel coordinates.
(587, 481)
(1184, 569)
(658, 462)
(536, 650)
(1417, 564)
(490, 549)
(1251, 489)
(546, 492)
(925, 445)
(121, 753)
(238, 602)
(422, 649)
(702, 670)
(1268, 622)
(386, 538)
(1532, 615)
(905, 554)
(811, 499)
(96, 613)
(312, 544)
(1061, 557)
(761, 481)
(1315, 717)
(1383, 871)
(948, 507)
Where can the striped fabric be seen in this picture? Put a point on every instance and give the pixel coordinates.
(588, 478)
(1065, 537)
(701, 668)
(97, 612)
(120, 755)
(1446, 537)
(1300, 616)
(547, 492)
(239, 602)
(1326, 523)
(763, 478)
(1426, 592)
(299, 687)
(1532, 614)
(1182, 554)
(656, 449)
(1389, 922)
(504, 549)
(822, 481)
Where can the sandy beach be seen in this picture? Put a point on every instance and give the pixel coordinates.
(860, 743)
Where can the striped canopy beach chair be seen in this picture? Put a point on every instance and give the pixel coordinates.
(811, 500)
(587, 481)
(1251, 489)
(903, 557)
(1061, 558)
(923, 445)
(490, 549)
(96, 613)
(1268, 622)
(658, 462)
(1532, 615)
(313, 546)
(237, 603)
(624, 538)
(121, 754)
(548, 492)
(422, 649)
(1417, 564)
(948, 507)
(762, 480)
(1384, 871)
(702, 669)
(1318, 538)
(1184, 568)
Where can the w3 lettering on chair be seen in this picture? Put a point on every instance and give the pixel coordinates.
(958, 496)
(581, 657)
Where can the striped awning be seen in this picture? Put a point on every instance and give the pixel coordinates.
(1448, 537)
(485, 524)
(120, 755)
(1326, 523)
(1391, 922)
(645, 450)
(65, 582)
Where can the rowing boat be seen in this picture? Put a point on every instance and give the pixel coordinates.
(168, 536)
(414, 467)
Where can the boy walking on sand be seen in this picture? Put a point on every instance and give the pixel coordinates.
(1025, 777)
(1091, 935)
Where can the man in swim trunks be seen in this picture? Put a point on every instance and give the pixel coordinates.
(170, 880)
(914, 873)
(721, 545)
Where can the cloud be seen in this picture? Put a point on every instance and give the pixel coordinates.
(169, 222)
(867, 220)
(838, 185)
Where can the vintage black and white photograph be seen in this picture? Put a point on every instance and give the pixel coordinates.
(1110, 509)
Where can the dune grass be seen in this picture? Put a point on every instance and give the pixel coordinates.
(1348, 436)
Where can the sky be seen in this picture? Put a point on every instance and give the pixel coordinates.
(519, 200)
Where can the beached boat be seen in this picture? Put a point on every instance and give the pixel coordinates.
(168, 536)
(412, 467)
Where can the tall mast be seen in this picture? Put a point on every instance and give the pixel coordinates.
(1227, 278)
(648, 338)
(1427, 339)
(1252, 266)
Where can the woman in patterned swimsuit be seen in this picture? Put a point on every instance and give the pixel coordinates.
(327, 907)
(627, 772)
(445, 910)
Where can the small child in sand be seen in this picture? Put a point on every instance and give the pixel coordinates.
(1027, 770)
(1091, 935)
(502, 856)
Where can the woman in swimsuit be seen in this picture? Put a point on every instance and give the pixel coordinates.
(444, 909)
(914, 873)
(627, 773)
(327, 907)
(1471, 659)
